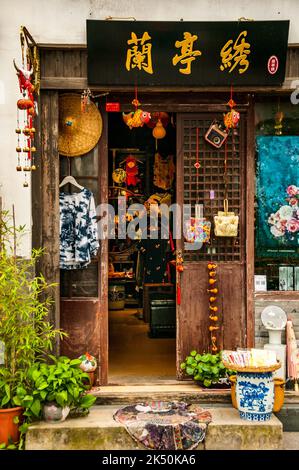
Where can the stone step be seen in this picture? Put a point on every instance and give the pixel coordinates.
(99, 431)
(126, 394)
(189, 392)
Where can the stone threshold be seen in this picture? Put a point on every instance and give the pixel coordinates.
(99, 431)
(190, 392)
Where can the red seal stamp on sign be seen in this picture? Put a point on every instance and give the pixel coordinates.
(273, 64)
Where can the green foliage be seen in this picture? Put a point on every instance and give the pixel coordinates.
(205, 368)
(62, 382)
(25, 300)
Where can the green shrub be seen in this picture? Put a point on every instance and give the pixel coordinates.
(206, 368)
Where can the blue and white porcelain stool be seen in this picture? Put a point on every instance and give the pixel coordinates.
(255, 393)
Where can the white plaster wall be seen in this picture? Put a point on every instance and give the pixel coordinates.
(63, 21)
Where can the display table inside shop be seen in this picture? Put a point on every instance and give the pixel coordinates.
(122, 292)
(150, 288)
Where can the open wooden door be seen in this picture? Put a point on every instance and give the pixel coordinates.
(232, 255)
(84, 293)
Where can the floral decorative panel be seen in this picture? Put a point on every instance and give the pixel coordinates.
(277, 192)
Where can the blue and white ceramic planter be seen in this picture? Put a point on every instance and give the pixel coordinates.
(255, 395)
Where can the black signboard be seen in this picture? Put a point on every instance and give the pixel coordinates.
(186, 53)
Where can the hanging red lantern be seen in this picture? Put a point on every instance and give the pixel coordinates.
(164, 118)
(25, 103)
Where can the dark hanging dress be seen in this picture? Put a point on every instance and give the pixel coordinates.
(154, 254)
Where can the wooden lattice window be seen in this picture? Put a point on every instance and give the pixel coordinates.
(211, 177)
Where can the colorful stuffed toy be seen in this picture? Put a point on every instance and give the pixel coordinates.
(231, 119)
(136, 118)
(132, 171)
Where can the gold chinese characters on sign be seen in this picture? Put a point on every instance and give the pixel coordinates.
(235, 55)
(187, 53)
(140, 53)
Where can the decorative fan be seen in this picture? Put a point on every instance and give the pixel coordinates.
(79, 131)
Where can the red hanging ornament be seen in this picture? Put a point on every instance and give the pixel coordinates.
(132, 171)
(232, 117)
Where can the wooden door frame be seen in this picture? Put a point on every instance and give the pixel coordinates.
(45, 191)
(249, 181)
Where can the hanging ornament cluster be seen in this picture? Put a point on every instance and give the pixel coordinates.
(179, 269)
(278, 122)
(28, 76)
(232, 117)
(213, 309)
(138, 117)
(156, 116)
(86, 100)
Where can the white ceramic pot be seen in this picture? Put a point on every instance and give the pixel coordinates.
(255, 395)
(54, 413)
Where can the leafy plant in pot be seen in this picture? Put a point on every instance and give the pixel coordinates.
(207, 370)
(25, 333)
(59, 388)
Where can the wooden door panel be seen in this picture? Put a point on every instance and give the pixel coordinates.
(232, 310)
(193, 313)
(229, 253)
(82, 321)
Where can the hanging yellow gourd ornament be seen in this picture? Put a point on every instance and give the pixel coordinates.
(159, 131)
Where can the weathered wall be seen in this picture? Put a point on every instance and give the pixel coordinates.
(291, 308)
(59, 21)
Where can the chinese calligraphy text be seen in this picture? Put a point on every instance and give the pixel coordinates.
(187, 53)
(236, 54)
(140, 54)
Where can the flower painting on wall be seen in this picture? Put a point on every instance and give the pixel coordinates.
(277, 191)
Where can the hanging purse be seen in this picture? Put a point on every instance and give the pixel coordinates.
(226, 223)
(197, 230)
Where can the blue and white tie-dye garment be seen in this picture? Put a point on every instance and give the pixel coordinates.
(78, 229)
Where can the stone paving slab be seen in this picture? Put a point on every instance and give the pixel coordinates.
(99, 431)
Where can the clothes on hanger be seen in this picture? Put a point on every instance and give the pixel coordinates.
(164, 171)
(78, 229)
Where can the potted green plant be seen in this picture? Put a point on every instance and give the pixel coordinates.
(25, 333)
(207, 369)
(59, 388)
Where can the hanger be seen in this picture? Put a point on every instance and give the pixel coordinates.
(70, 179)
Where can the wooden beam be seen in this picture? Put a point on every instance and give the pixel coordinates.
(49, 165)
(279, 295)
(250, 191)
(103, 255)
(80, 83)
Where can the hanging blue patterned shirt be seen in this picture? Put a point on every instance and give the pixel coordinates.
(78, 229)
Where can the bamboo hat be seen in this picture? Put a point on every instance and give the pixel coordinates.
(79, 131)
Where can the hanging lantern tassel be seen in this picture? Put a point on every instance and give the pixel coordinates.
(213, 309)
(179, 269)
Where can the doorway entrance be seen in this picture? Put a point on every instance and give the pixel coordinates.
(141, 274)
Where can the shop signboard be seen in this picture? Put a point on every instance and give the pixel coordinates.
(164, 53)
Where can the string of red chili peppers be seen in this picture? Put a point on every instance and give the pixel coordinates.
(213, 309)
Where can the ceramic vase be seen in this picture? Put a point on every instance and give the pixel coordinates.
(255, 395)
(53, 413)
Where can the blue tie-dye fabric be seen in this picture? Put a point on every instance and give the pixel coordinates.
(78, 229)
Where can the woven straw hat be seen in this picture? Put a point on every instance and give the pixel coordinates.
(78, 132)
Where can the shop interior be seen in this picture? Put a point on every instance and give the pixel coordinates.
(141, 294)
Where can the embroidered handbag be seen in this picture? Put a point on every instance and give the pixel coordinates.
(197, 231)
(226, 223)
